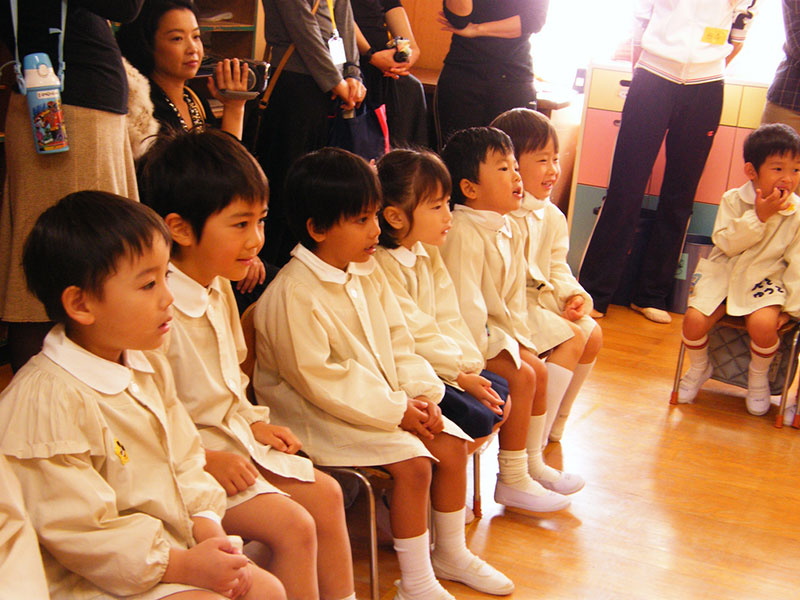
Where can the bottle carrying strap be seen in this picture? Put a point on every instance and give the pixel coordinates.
(51, 30)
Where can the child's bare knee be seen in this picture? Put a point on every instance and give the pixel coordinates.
(328, 489)
(265, 585)
(414, 472)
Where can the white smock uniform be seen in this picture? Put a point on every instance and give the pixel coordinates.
(204, 349)
(549, 281)
(21, 571)
(335, 362)
(111, 468)
(483, 254)
(752, 264)
(427, 297)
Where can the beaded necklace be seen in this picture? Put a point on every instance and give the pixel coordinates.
(194, 112)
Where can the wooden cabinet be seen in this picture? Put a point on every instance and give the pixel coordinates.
(606, 88)
(230, 37)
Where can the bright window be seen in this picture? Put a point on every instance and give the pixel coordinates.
(578, 32)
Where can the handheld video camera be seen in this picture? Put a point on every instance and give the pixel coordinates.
(257, 77)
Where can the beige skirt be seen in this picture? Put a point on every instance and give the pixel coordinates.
(99, 158)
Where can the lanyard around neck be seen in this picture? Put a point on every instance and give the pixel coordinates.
(333, 19)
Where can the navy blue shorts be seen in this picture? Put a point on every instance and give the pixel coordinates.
(471, 415)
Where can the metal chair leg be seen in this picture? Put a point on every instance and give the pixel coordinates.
(788, 382)
(476, 484)
(373, 527)
(673, 399)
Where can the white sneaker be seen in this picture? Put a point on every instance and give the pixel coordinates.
(567, 484)
(788, 414)
(550, 501)
(478, 574)
(440, 594)
(758, 400)
(691, 383)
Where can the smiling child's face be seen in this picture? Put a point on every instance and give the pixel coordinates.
(540, 170)
(778, 171)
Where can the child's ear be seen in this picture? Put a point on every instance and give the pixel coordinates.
(395, 217)
(74, 301)
(750, 171)
(180, 229)
(468, 188)
(317, 234)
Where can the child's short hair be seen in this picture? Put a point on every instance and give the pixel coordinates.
(529, 130)
(767, 140)
(136, 39)
(407, 178)
(80, 241)
(198, 173)
(466, 150)
(327, 186)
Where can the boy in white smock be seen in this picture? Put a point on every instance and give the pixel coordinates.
(110, 464)
(483, 253)
(213, 196)
(754, 268)
(558, 307)
(335, 361)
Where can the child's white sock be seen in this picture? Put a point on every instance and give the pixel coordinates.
(697, 352)
(558, 379)
(513, 471)
(416, 572)
(536, 466)
(758, 400)
(579, 375)
(699, 369)
(451, 542)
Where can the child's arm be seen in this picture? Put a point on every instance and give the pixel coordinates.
(464, 256)
(296, 331)
(574, 300)
(415, 375)
(434, 334)
(19, 548)
(737, 226)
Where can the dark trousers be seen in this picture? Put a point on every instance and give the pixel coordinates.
(467, 99)
(689, 115)
(296, 122)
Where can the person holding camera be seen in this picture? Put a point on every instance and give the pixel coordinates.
(388, 51)
(321, 70)
(164, 44)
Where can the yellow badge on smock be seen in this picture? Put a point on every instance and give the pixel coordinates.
(715, 35)
(119, 450)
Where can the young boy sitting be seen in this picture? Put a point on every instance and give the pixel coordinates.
(558, 307)
(754, 268)
(213, 196)
(335, 360)
(109, 462)
(484, 255)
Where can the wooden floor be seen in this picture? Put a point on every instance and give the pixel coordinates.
(689, 502)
